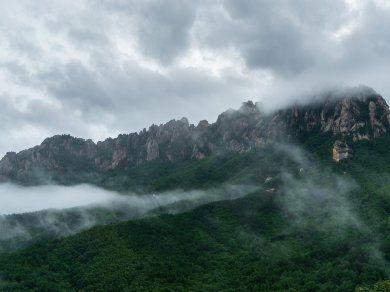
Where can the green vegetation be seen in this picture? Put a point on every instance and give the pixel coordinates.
(194, 174)
(381, 286)
(240, 245)
(326, 227)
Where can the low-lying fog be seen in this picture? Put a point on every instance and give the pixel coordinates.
(63, 210)
(17, 199)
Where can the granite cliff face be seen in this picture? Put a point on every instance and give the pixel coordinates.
(362, 116)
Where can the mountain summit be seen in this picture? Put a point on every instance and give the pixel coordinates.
(355, 116)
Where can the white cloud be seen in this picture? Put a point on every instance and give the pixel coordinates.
(87, 204)
(17, 199)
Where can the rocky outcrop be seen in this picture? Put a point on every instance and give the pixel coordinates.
(363, 117)
(152, 150)
(360, 116)
(341, 150)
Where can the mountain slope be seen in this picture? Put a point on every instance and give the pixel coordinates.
(253, 243)
(315, 231)
(313, 224)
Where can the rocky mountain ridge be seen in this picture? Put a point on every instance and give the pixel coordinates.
(358, 117)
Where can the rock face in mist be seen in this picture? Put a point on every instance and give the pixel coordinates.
(341, 150)
(358, 116)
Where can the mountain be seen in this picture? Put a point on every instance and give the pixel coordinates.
(352, 115)
(314, 225)
(316, 219)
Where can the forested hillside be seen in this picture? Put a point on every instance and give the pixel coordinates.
(313, 225)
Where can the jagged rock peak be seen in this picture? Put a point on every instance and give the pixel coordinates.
(249, 108)
(203, 124)
(184, 120)
(355, 114)
(361, 116)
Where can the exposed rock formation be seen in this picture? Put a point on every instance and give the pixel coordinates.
(341, 151)
(364, 116)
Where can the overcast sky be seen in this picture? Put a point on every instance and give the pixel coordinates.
(95, 69)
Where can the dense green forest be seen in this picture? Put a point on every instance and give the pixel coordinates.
(311, 225)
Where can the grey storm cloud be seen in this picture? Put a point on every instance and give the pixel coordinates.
(97, 69)
(164, 28)
(286, 37)
(370, 43)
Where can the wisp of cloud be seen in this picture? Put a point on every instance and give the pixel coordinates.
(30, 213)
(18, 199)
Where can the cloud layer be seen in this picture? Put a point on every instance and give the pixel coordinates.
(63, 210)
(97, 69)
(16, 199)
